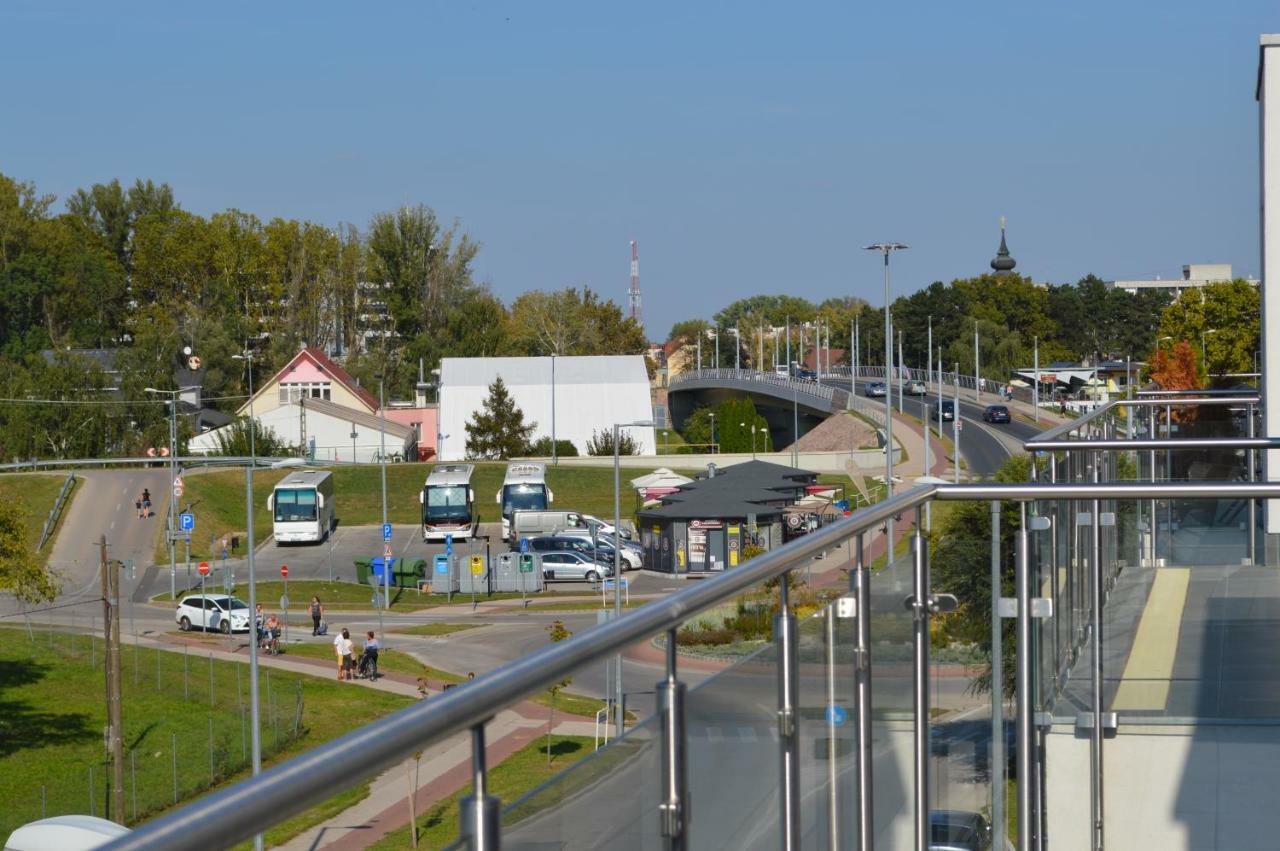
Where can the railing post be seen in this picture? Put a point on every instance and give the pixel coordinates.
(674, 809)
(1253, 503)
(1023, 645)
(833, 773)
(861, 579)
(1095, 627)
(919, 605)
(784, 632)
(479, 812)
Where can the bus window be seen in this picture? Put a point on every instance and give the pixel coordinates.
(295, 505)
(448, 502)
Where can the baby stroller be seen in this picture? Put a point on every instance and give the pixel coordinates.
(368, 668)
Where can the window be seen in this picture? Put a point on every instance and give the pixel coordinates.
(293, 391)
(294, 506)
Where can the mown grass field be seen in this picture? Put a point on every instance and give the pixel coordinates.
(52, 715)
(350, 596)
(35, 493)
(218, 497)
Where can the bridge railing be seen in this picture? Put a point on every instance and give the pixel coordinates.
(811, 388)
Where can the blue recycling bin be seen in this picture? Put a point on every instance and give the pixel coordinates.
(386, 574)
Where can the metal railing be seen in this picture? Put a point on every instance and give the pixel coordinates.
(810, 388)
(250, 806)
(186, 460)
(52, 519)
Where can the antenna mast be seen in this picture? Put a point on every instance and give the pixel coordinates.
(633, 294)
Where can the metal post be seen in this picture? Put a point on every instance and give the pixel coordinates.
(1025, 721)
(255, 720)
(1253, 503)
(977, 381)
(997, 685)
(1095, 628)
(955, 423)
(382, 463)
(888, 407)
(833, 787)
(924, 417)
(673, 810)
(861, 580)
(920, 641)
(555, 455)
(900, 377)
(479, 811)
(1036, 390)
(784, 630)
(617, 575)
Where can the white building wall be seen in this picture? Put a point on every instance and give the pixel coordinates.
(591, 393)
(1269, 165)
(332, 435)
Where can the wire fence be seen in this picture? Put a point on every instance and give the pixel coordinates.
(186, 728)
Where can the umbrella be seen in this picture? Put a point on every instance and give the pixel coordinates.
(1018, 382)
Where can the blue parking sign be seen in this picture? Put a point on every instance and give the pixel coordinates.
(448, 545)
(187, 522)
(386, 531)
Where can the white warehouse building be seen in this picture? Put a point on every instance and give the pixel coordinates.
(588, 394)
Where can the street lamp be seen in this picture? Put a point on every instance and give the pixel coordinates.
(713, 433)
(1204, 354)
(382, 464)
(737, 346)
(753, 438)
(887, 248)
(617, 557)
(253, 424)
(555, 456)
(173, 476)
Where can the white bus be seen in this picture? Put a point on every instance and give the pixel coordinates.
(449, 503)
(302, 506)
(523, 489)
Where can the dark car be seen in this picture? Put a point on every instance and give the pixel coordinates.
(805, 374)
(996, 414)
(558, 543)
(948, 411)
(958, 830)
(876, 388)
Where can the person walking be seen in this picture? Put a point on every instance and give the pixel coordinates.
(146, 503)
(339, 651)
(348, 663)
(317, 615)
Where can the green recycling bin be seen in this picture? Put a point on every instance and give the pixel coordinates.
(363, 569)
(408, 571)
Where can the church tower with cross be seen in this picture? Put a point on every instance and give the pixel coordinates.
(1003, 262)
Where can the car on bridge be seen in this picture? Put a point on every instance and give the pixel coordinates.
(803, 373)
(996, 414)
(915, 388)
(944, 411)
(876, 388)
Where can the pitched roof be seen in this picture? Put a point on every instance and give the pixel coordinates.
(716, 506)
(328, 367)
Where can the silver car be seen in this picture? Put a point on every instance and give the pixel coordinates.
(567, 565)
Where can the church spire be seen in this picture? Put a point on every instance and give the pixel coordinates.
(1003, 261)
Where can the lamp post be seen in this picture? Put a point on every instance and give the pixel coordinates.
(555, 456)
(737, 346)
(977, 385)
(924, 417)
(253, 423)
(887, 248)
(617, 559)
(173, 476)
(713, 433)
(1036, 398)
(382, 464)
(1204, 353)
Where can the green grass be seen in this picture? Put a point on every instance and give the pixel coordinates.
(513, 777)
(390, 661)
(35, 494)
(53, 716)
(435, 628)
(217, 497)
(288, 829)
(350, 596)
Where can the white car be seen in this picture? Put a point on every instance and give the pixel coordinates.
(571, 565)
(632, 554)
(213, 611)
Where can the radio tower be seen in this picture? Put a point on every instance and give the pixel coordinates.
(633, 294)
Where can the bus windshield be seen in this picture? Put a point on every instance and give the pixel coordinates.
(295, 505)
(523, 498)
(447, 502)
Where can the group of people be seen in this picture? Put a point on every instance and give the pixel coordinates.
(268, 630)
(344, 649)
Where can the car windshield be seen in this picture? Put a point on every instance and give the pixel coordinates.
(295, 505)
(237, 603)
(523, 498)
(447, 502)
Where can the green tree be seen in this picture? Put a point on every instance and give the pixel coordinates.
(696, 430)
(601, 443)
(734, 420)
(233, 440)
(21, 573)
(564, 448)
(572, 322)
(1228, 315)
(498, 430)
(558, 632)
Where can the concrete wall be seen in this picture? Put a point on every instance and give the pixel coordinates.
(1269, 147)
(1172, 788)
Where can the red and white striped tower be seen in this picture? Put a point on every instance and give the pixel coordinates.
(633, 294)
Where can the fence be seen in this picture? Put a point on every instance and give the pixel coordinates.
(186, 727)
(52, 520)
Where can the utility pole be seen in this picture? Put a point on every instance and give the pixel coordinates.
(111, 652)
(1036, 394)
(977, 392)
(924, 416)
(955, 424)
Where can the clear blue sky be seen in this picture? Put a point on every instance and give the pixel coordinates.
(749, 147)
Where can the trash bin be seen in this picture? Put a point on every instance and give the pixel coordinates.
(362, 570)
(444, 577)
(376, 569)
(407, 572)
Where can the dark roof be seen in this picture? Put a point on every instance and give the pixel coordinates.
(716, 506)
(104, 358)
(720, 488)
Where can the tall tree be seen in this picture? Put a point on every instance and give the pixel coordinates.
(498, 430)
(21, 574)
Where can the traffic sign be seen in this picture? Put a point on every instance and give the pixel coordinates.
(151, 452)
(524, 545)
(164, 452)
(386, 553)
(837, 714)
(448, 545)
(610, 583)
(477, 565)
(526, 563)
(284, 571)
(386, 531)
(177, 489)
(187, 521)
(203, 568)
(959, 425)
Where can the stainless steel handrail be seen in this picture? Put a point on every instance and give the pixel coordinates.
(240, 811)
(1149, 443)
(1066, 428)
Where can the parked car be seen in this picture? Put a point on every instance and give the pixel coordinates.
(561, 543)
(632, 555)
(876, 388)
(958, 830)
(213, 611)
(571, 565)
(948, 411)
(996, 414)
(915, 388)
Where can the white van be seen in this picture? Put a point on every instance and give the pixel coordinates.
(302, 507)
(535, 524)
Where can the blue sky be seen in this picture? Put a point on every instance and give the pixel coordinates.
(749, 147)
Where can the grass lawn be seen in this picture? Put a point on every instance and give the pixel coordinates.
(53, 716)
(434, 628)
(350, 596)
(513, 777)
(217, 497)
(35, 495)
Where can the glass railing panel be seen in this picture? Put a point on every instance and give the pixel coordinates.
(892, 702)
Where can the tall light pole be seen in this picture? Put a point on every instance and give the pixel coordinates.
(924, 416)
(853, 377)
(789, 347)
(901, 370)
(173, 476)
(1204, 353)
(737, 346)
(617, 559)
(555, 456)
(1036, 397)
(955, 422)
(887, 248)
(977, 392)
(253, 423)
(713, 433)
(382, 463)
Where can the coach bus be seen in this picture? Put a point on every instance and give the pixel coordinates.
(449, 503)
(301, 507)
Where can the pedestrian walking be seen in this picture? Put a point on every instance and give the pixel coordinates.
(146, 503)
(346, 647)
(317, 615)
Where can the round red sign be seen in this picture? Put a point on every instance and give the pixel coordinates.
(204, 568)
(284, 571)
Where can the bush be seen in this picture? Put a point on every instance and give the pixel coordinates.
(541, 448)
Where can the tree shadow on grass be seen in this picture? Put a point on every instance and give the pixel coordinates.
(24, 725)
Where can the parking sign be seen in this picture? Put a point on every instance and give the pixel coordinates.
(187, 521)
(386, 531)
